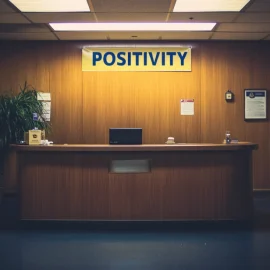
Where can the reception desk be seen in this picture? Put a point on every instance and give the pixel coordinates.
(140, 182)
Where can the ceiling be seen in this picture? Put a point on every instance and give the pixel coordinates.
(252, 23)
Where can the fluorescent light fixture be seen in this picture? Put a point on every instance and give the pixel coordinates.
(209, 5)
(132, 26)
(51, 5)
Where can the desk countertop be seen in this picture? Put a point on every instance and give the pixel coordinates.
(137, 148)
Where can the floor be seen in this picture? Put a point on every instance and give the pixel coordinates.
(187, 248)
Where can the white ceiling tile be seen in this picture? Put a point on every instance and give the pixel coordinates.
(51, 5)
(27, 36)
(243, 27)
(4, 7)
(209, 5)
(131, 17)
(238, 36)
(259, 6)
(202, 16)
(185, 35)
(60, 17)
(82, 35)
(12, 18)
(131, 5)
(253, 17)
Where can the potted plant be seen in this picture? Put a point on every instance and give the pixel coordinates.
(16, 117)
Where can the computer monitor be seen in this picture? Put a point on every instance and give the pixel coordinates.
(125, 135)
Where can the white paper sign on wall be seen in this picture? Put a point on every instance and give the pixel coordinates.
(46, 100)
(187, 106)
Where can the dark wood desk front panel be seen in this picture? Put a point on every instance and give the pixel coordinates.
(195, 185)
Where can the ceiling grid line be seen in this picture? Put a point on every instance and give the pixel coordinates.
(172, 4)
(91, 6)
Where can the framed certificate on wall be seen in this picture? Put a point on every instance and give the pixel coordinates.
(255, 104)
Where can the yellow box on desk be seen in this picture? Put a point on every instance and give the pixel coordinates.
(32, 137)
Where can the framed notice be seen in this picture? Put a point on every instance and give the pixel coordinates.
(255, 104)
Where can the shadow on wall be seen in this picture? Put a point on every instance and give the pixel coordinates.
(1, 179)
(9, 211)
(1, 193)
(1, 186)
(262, 209)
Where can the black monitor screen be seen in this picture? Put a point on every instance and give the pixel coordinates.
(125, 135)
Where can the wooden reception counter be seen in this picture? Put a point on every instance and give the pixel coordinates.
(140, 182)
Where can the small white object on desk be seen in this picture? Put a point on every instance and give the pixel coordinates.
(46, 142)
(170, 140)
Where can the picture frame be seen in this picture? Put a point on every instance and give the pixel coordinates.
(255, 104)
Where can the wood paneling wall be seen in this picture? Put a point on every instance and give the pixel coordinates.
(86, 104)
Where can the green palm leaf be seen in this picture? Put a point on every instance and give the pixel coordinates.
(16, 115)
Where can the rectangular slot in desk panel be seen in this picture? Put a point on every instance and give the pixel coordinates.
(130, 166)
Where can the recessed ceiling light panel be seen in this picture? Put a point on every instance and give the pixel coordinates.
(132, 26)
(209, 5)
(51, 5)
